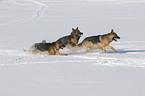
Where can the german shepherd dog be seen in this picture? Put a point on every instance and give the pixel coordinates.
(99, 42)
(48, 48)
(71, 41)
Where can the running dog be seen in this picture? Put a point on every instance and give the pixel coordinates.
(48, 48)
(71, 41)
(100, 42)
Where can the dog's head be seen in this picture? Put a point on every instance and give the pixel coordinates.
(114, 35)
(76, 33)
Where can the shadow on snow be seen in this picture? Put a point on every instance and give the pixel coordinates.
(122, 51)
(119, 51)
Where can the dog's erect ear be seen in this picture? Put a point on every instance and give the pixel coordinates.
(73, 29)
(112, 31)
(44, 41)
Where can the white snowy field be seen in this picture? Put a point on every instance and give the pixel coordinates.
(25, 22)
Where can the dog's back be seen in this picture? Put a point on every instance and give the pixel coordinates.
(43, 46)
(93, 39)
(40, 47)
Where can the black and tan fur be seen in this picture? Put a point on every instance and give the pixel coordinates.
(48, 48)
(99, 42)
(71, 41)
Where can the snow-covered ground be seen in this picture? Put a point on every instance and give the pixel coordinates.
(25, 22)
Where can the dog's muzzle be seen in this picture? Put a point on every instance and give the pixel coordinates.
(115, 38)
(80, 34)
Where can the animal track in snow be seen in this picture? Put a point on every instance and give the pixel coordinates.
(39, 12)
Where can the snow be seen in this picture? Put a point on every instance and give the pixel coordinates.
(25, 22)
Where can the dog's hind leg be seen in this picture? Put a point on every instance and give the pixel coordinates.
(88, 45)
(111, 47)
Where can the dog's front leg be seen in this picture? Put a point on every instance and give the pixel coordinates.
(103, 50)
(111, 47)
(58, 53)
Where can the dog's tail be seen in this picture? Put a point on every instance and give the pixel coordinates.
(31, 50)
(25, 50)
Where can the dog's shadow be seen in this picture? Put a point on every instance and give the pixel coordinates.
(119, 51)
(123, 51)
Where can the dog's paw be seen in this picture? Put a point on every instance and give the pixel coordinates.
(65, 54)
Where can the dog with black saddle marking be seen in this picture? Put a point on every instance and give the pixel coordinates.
(48, 48)
(71, 41)
(100, 42)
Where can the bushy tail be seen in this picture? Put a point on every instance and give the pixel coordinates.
(25, 50)
(31, 50)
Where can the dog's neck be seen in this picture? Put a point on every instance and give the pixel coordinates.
(109, 37)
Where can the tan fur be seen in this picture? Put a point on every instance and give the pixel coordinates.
(53, 50)
(105, 40)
